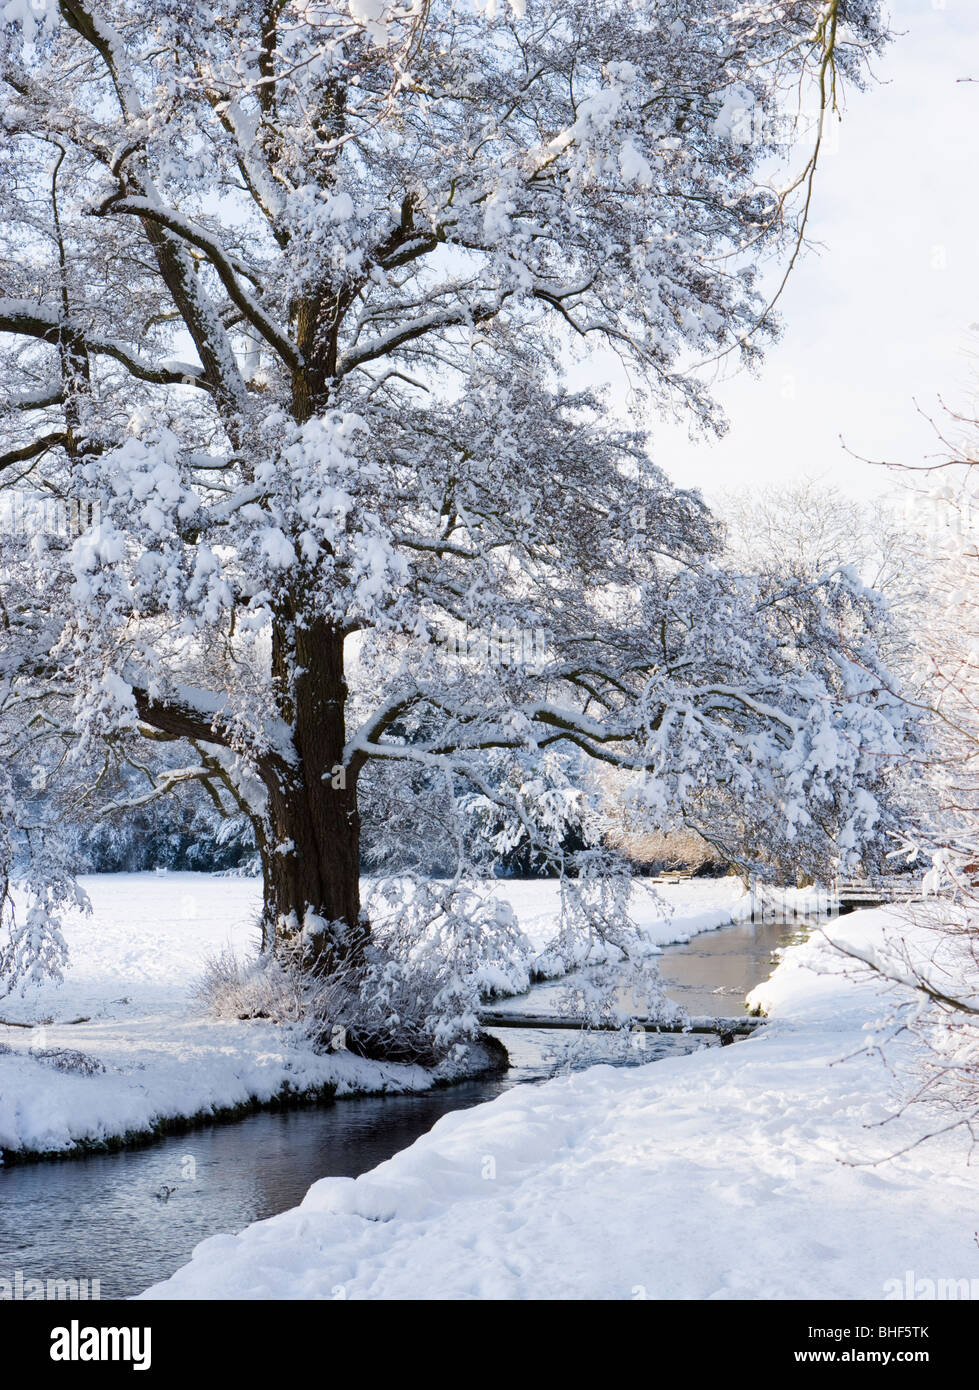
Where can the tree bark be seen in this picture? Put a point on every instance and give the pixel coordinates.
(311, 844)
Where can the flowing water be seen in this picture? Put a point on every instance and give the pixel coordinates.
(131, 1218)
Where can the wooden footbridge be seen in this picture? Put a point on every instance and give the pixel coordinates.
(857, 893)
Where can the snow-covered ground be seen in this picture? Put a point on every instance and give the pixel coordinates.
(734, 1173)
(133, 966)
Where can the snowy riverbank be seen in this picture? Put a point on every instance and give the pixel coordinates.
(133, 967)
(734, 1173)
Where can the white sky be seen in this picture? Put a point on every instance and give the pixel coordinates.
(879, 316)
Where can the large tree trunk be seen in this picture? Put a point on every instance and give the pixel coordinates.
(311, 848)
(311, 844)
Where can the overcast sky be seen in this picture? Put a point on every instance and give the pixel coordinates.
(879, 316)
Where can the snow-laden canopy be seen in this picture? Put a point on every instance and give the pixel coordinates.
(289, 293)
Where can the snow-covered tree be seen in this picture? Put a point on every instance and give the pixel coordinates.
(288, 293)
(806, 527)
(809, 529)
(946, 650)
(930, 954)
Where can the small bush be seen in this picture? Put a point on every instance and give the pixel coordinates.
(262, 988)
(379, 1008)
(68, 1060)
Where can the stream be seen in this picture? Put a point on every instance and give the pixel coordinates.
(101, 1217)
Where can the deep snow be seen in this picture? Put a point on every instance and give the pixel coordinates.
(133, 966)
(734, 1173)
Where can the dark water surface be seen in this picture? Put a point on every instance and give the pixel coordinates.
(101, 1218)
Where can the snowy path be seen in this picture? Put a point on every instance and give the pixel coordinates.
(133, 966)
(724, 1174)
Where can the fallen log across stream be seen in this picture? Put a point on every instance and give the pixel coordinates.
(726, 1027)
